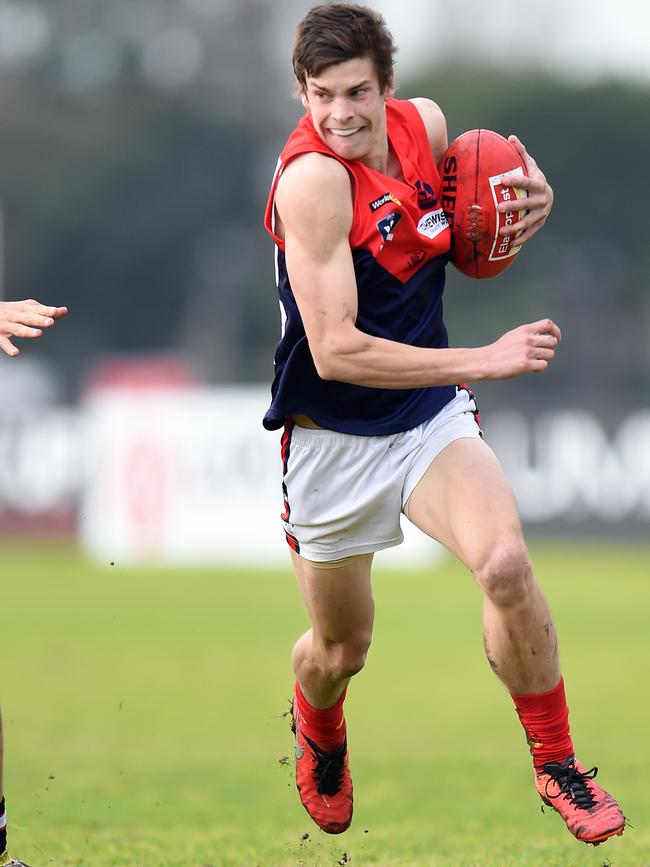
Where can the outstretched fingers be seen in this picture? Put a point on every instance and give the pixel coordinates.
(32, 312)
(25, 319)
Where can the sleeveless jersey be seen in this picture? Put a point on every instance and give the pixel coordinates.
(400, 245)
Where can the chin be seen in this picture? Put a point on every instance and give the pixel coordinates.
(343, 147)
(351, 148)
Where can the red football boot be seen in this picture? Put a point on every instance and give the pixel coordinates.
(323, 780)
(590, 813)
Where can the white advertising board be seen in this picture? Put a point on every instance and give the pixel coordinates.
(191, 476)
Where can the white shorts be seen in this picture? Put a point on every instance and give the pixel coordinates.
(343, 494)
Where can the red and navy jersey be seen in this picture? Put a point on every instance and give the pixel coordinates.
(400, 245)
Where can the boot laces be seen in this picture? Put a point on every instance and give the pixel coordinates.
(572, 783)
(329, 768)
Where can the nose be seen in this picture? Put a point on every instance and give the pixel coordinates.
(342, 109)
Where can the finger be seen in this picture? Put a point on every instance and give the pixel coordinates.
(531, 220)
(35, 307)
(517, 205)
(44, 310)
(17, 329)
(37, 320)
(7, 346)
(546, 341)
(526, 235)
(518, 227)
(533, 182)
(546, 326)
(521, 181)
(537, 206)
(543, 355)
(27, 318)
(45, 313)
(517, 143)
(520, 147)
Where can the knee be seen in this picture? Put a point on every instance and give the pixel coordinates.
(344, 659)
(506, 574)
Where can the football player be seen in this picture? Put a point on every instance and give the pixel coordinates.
(376, 418)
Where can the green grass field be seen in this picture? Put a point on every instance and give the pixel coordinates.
(144, 717)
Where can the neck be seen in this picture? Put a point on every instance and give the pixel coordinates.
(393, 168)
(383, 159)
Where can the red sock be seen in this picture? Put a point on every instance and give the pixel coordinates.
(324, 726)
(545, 718)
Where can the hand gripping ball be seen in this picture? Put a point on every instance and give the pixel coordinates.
(472, 168)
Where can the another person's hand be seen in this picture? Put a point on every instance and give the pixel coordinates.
(25, 319)
(538, 203)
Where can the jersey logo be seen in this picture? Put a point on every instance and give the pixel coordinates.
(387, 225)
(384, 200)
(433, 223)
(426, 197)
(414, 257)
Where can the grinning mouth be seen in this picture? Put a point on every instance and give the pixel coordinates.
(345, 132)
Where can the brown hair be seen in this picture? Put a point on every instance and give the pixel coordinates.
(335, 32)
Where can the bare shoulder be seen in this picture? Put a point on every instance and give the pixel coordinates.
(311, 176)
(314, 190)
(435, 125)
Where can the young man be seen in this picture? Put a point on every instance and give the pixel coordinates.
(19, 319)
(374, 419)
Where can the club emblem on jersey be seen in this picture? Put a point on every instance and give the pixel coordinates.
(426, 197)
(387, 225)
(414, 257)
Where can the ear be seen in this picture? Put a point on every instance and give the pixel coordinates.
(304, 100)
(391, 89)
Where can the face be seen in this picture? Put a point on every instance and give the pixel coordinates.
(348, 110)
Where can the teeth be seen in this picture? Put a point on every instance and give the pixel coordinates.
(345, 131)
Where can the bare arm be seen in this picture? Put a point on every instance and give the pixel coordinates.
(314, 204)
(25, 319)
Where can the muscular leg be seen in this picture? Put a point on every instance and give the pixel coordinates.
(465, 501)
(340, 605)
(341, 609)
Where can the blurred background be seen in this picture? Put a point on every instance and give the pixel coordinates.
(137, 142)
